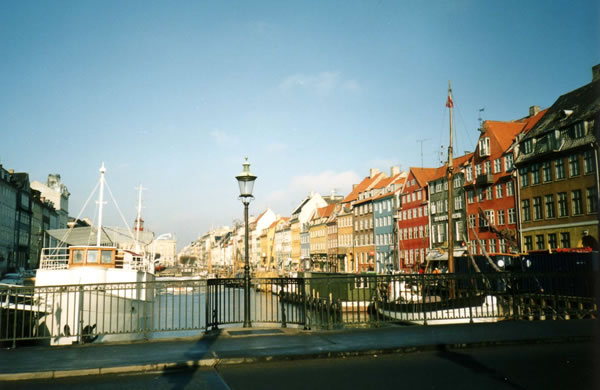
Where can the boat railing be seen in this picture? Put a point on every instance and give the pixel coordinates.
(54, 258)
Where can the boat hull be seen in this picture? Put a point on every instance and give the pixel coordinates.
(464, 310)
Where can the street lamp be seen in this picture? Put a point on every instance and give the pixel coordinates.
(246, 183)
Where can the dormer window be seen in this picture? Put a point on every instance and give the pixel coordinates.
(484, 147)
(528, 146)
(579, 130)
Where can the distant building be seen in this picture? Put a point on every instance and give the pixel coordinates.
(56, 192)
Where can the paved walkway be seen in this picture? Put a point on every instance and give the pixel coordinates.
(238, 345)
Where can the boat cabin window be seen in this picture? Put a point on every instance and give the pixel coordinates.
(78, 256)
(106, 257)
(92, 257)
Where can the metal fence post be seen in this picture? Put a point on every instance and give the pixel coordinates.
(80, 315)
(423, 299)
(304, 305)
(281, 297)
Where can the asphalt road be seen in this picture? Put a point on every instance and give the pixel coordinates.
(533, 366)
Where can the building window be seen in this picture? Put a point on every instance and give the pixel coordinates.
(592, 200)
(547, 171)
(528, 146)
(552, 241)
(535, 174)
(502, 243)
(524, 176)
(458, 203)
(537, 208)
(493, 246)
(469, 173)
(512, 216)
(559, 168)
(526, 210)
(573, 165)
(488, 167)
(489, 193)
(501, 219)
(549, 200)
(563, 210)
(588, 162)
(579, 130)
(528, 243)
(490, 216)
(498, 191)
(510, 190)
(508, 162)
(478, 170)
(472, 221)
(484, 147)
(576, 202)
(471, 196)
(497, 165)
(539, 241)
(565, 240)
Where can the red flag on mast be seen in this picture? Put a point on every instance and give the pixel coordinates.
(449, 102)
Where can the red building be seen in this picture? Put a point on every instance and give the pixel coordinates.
(490, 188)
(413, 219)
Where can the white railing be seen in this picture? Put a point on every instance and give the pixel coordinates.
(54, 258)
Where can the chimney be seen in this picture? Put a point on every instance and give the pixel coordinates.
(534, 110)
(394, 171)
(354, 186)
(373, 172)
(596, 72)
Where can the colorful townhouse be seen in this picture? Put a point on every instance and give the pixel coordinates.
(438, 210)
(345, 243)
(385, 206)
(359, 257)
(490, 186)
(298, 220)
(333, 260)
(557, 164)
(318, 238)
(413, 216)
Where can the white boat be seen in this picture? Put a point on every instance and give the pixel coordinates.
(432, 311)
(101, 296)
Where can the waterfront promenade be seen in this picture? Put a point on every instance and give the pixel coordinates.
(250, 345)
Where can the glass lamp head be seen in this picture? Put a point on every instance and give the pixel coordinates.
(246, 181)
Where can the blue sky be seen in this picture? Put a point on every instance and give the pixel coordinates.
(173, 95)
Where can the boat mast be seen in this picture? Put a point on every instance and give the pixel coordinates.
(138, 221)
(100, 204)
(450, 105)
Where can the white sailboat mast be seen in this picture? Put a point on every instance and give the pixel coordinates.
(138, 222)
(450, 105)
(100, 204)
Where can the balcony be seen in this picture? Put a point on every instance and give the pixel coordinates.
(485, 179)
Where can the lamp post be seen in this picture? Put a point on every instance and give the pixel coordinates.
(246, 183)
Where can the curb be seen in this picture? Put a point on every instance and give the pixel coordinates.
(166, 367)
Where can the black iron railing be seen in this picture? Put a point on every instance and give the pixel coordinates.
(164, 308)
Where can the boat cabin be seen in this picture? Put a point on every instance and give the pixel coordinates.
(102, 257)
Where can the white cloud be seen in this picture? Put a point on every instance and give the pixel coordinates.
(224, 139)
(323, 83)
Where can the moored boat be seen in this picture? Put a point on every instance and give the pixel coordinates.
(93, 292)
